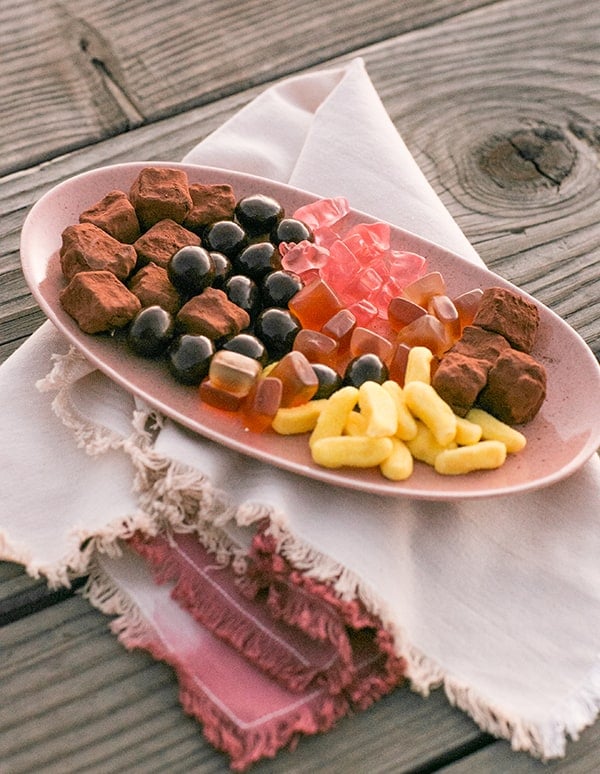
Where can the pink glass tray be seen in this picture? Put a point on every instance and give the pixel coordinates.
(564, 435)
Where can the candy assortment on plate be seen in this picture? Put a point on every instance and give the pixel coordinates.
(303, 326)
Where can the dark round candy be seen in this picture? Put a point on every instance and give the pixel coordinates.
(225, 237)
(151, 331)
(223, 269)
(291, 230)
(249, 345)
(257, 260)
(189, 358)
(329, 380)
(365, 368)
(258, 214)
(243, 292)
(279, 287)
(191, 270)
(277, 328)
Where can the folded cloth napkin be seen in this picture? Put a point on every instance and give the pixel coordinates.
(222, 565)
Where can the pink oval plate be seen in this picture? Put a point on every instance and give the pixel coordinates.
(564, 435)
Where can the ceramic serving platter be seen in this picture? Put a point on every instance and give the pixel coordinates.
(564, 435)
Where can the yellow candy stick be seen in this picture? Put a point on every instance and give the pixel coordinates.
(418, 365)
(406, 423)
(493, 429)
(333, 417)
(298, 419)
(424, 402)
(484, 455)
(466, 432)
(424, 446)
(378, 406)
(399, 465)
(351, 451)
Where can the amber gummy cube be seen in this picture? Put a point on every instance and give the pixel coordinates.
(467, 305)
(298, 379)
(402, 311)
(444, 309)
(340, 327)
(316, 346)
(233, 372)
(398, 361)
(426, 331)
(262, 404)
(422, 289)
(314, 304)
(364, 341)
(219, 398)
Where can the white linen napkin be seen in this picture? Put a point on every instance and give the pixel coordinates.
(497, 599)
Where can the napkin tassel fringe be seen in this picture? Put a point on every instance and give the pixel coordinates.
(317, 609)
(213, 606)
(547, 741)
(314, 713)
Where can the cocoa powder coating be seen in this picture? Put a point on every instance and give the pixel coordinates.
(213, 315)
(99, 302)
(86, 247)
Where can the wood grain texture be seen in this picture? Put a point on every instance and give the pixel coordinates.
(78, 71)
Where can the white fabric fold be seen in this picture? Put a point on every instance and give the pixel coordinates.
(498, 599)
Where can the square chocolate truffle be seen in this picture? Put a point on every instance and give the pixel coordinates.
(213, 315)
(210, 204)
(160, 243)
(159, 193)
(151, 284)
(459, 379)
(511, 315)
(515, 389)
(85, 247)
(478, 343)
(98, 301)
(116, 215)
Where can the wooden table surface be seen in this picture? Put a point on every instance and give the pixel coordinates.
(499, 101)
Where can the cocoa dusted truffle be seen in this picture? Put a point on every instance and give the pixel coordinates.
(99, 302)
(459, 379)
(478, 343)
(514, 317)
(210, 204)
(115, 214)
(151, 284)
(159, 193)
(160, 243)
(213, 315)
(85, 247)
(515, 389)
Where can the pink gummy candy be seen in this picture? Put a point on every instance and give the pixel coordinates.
(406, 267)
(369, 241)
(324, 212)
(364, 312)
(303, 257)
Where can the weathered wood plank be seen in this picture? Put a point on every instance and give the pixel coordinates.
(582, 757)
(88, 69)
(73, 698)
(21, 595)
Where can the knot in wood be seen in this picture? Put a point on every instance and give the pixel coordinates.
(541, 155)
